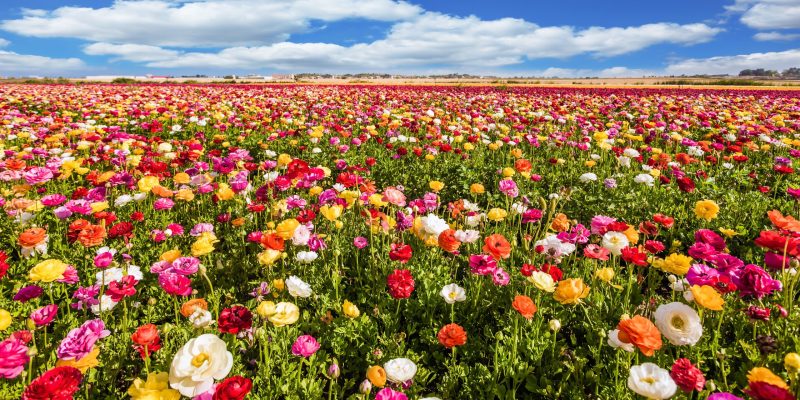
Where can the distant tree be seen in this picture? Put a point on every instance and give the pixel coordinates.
(793, 72)
(758, 72)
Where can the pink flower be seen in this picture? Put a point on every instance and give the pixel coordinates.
(753, 280)
(599, 224)
(482, 264)
(185, 265)
(175, 284)
(13, 357)
(37, 175)
(104, 259)
(163, 204)
(44, 315)
(80, 341)
(500, 277)
(360, 242)
(389, 394)
(305, 346)
(509, 187)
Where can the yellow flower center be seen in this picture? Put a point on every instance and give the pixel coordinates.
(452, 295)
(649, 379)
(199, 359)
(677, 322)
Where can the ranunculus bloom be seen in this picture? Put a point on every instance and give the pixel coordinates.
(13, 358)
(175, 284)
(198, 363)
(687, 376)
(401, 283)
(305, 346)
(524, 306)
(400, 252)
(448, 241)
(44, 315)
(400, 370)
(80, 341)
(235, 319)
(233, 388)
(57, 383)
(571, 291)
(497, 246)
(146, 340)
(390, 394)
(452, 335)
(640, 332)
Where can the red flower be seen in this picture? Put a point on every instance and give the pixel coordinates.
(122, 229)
(654, 246)
(554, 271)
(776, 242)
(59, 383)
(146, 340)
(122, 288)
(235, 319)
(687, 376)
(3, 264)
(765, 391)
(664, 220)
(137, 216)
(497, 246)
(686, 184)
(233, 388)
(401, 283)
(634, 256)
(400, 252)
(452, 335)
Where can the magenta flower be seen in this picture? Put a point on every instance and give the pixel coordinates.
(482, 264)
(185, 265)
(13, 357)
(80, 341)
(389, 394)
(360, 242)
(27, 293)
(163, 204)
(305, 346)
(753, 280)
(104, 259)
(44, 315)
(175, 284)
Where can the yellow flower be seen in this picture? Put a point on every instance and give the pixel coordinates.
(204, 244)
(377, 375)
(376, 200)
(5, 320)
(496, 214)
(314, 191)
(182, 178)
(268, 257)
(88, 361)
(729, 233)
(170, 255)
(631, 234)
(286, 228)
(436, 185)
(265, 309)
(225, 192)
(350, 310)
(792, 363)
(706, 209)
(284, 159)
(285, 314)
(156, 388)
(675, 263)
(508, 172)
(278, 284)
(185, 195)
(476, 188)
(760, 374)
(571, 291)
(99, 206)
(604, 274)
(707, 297)
(543, 281)
(331, 213)
(147, 183)
(47, 271)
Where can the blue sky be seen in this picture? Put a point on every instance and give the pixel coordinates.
(566, 38)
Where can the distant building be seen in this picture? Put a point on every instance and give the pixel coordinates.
(281, 77)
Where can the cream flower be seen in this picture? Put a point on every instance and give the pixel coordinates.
(615, 242)
(453, 293)
(400, 370)
(679, 323)
(297, 287)
(651, 381)
(198, 363)
(613, 341)
(543, 281)
(285, 314)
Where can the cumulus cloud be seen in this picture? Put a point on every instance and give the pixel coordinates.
(438, 39)
(12, 63)
(209, 23)
(768, 14)
(4, 42)
(768, 36)
(776, 60)
(130, 52)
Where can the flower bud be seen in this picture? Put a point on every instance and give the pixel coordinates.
(554, 325)
(365, 387)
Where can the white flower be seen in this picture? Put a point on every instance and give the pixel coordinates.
(553, 247)
(474, 220)
(613, 341)
(727, 165)
(106, 304)
(139, 196)
(201, 318)
(122, 200)
(467, 236)
(624, 161)
(400, 370)
(432, 225)
(301, 235)
(198, 363)
(632, 153)
(543, 281)
(588, 177)
(453, 293)
(651, 381)
(109, 275)
(306, 257)
(615, 242)
(297, 287)
(695, 151)
(645, 179)
(679, 323)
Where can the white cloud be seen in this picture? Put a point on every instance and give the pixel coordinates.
(130, 52)
(434, 39)
(779, 61)
(768, 14)
(613, 72)
(209, 23)
(767, 36)
(12, 63)
(4, 42)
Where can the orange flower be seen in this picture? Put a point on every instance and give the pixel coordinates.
(161, 191)
(788, 222)
(238, 221)
(571, 291)
(188, 308)
(523, 165)
(92, 235)
(560, 223)
(272, 241)
(497, 246)
(524, 305)
(640, 332)
(32, 237)
(452, 335)
(448, 241)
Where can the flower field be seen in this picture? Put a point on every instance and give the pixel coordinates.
(376, 242)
